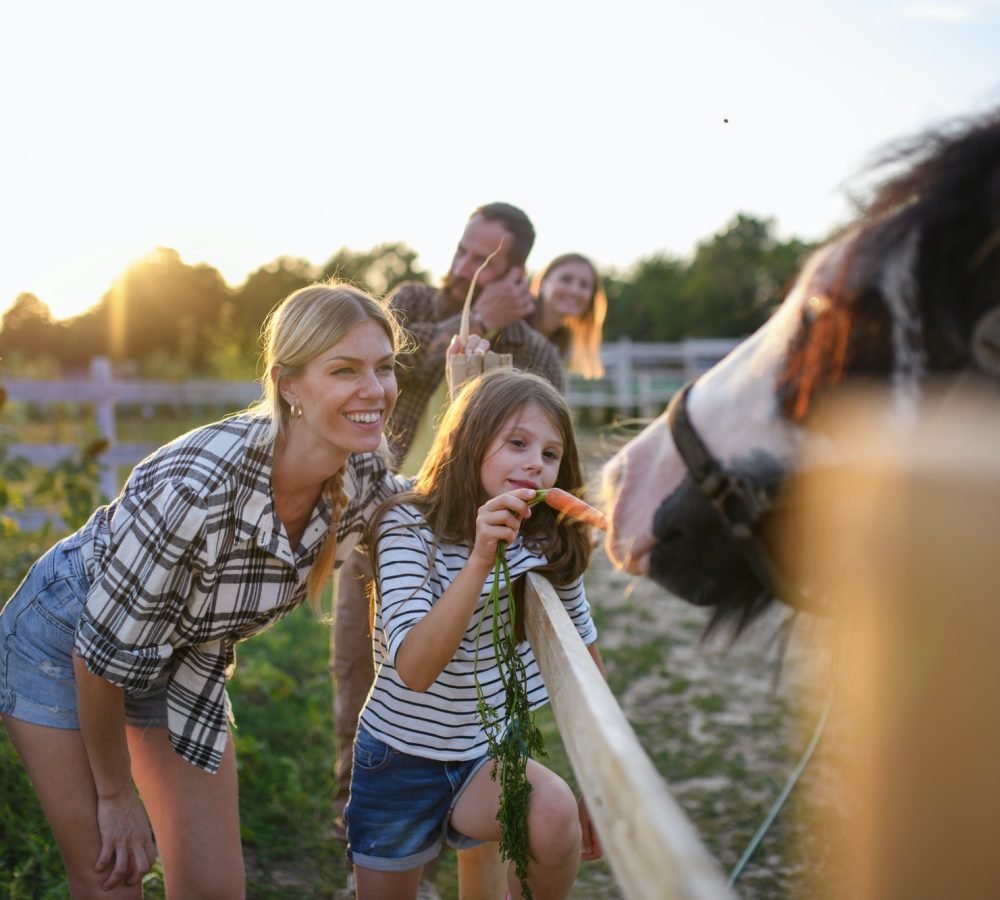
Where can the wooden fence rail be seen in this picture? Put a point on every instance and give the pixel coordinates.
(652, 848)
(640, 379)
(648, 842)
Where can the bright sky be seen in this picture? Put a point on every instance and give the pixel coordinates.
(236, 132)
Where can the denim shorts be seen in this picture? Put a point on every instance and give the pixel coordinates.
(400, 806)
(37, 630)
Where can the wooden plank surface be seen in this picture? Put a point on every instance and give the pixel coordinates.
(651, 847)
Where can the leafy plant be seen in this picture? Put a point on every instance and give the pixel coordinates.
(512, 741)
(509, 747)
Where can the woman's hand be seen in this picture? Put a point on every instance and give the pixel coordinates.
(126, 840)
(500, 519)
(474, 345)
(127, 848)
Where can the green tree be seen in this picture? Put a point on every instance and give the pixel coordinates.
(738, 278)
(264, 288)
(378, 270)
(160, 304)
(27, 329)
(645, 302)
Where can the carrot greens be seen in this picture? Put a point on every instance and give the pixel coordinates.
(513, 740)
(509, 747)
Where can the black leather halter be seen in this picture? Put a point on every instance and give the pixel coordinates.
(740, 504)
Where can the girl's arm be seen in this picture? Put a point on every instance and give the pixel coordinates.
(431, 643)
(127, 850)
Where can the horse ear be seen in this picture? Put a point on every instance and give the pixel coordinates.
(986, 342)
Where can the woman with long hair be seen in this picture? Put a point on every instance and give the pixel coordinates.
(570, 312)
(116, 648)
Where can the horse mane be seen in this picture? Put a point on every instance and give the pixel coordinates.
(902, 287)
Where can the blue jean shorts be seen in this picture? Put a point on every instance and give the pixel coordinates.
(400, 806)
(37, 629)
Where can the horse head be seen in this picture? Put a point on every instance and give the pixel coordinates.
(908, 294)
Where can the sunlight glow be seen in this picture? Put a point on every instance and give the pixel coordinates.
(250, 136)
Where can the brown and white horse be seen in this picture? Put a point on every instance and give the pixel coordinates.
(907, 295)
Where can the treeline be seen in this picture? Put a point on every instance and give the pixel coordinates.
(166, 319)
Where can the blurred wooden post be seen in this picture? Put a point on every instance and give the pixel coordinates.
(903, 539)
(104, 412)
(482, 874)
(623, 376)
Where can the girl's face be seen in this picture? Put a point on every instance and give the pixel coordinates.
(347, 392)
(525, 453)
(568, 289)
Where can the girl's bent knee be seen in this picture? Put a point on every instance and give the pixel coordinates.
(554, 826)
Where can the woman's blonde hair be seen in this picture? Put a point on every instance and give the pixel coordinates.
(306, 323)
(579, 338)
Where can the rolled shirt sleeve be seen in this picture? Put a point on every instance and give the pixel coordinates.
(125, 632)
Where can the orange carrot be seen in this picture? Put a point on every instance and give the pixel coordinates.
(566, 504)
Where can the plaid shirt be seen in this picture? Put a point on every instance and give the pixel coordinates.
(425, 315)
(192, 558)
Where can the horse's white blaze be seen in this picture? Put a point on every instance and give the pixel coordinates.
(636, 481)
(734, 408)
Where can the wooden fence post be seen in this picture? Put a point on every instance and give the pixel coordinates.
(902, 539)
(482, 874)
(651, 847)
(623, 375)
(104, 413)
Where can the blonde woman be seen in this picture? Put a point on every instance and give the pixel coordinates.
(116, 648)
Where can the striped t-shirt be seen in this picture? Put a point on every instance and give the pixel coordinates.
(441, 722)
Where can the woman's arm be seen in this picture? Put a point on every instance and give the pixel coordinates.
(126, 839)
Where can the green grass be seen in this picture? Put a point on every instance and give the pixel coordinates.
(29, 861)
(281, 696)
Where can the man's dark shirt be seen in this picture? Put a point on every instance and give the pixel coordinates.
(422, 311)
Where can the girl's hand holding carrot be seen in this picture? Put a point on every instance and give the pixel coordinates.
(499, 519)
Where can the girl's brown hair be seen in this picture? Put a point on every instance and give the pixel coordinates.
(449, 490)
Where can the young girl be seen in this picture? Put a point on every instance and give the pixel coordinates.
(421, 771)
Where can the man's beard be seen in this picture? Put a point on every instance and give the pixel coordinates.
(455, 290)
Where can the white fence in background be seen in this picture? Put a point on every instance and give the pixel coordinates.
(640, 378)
